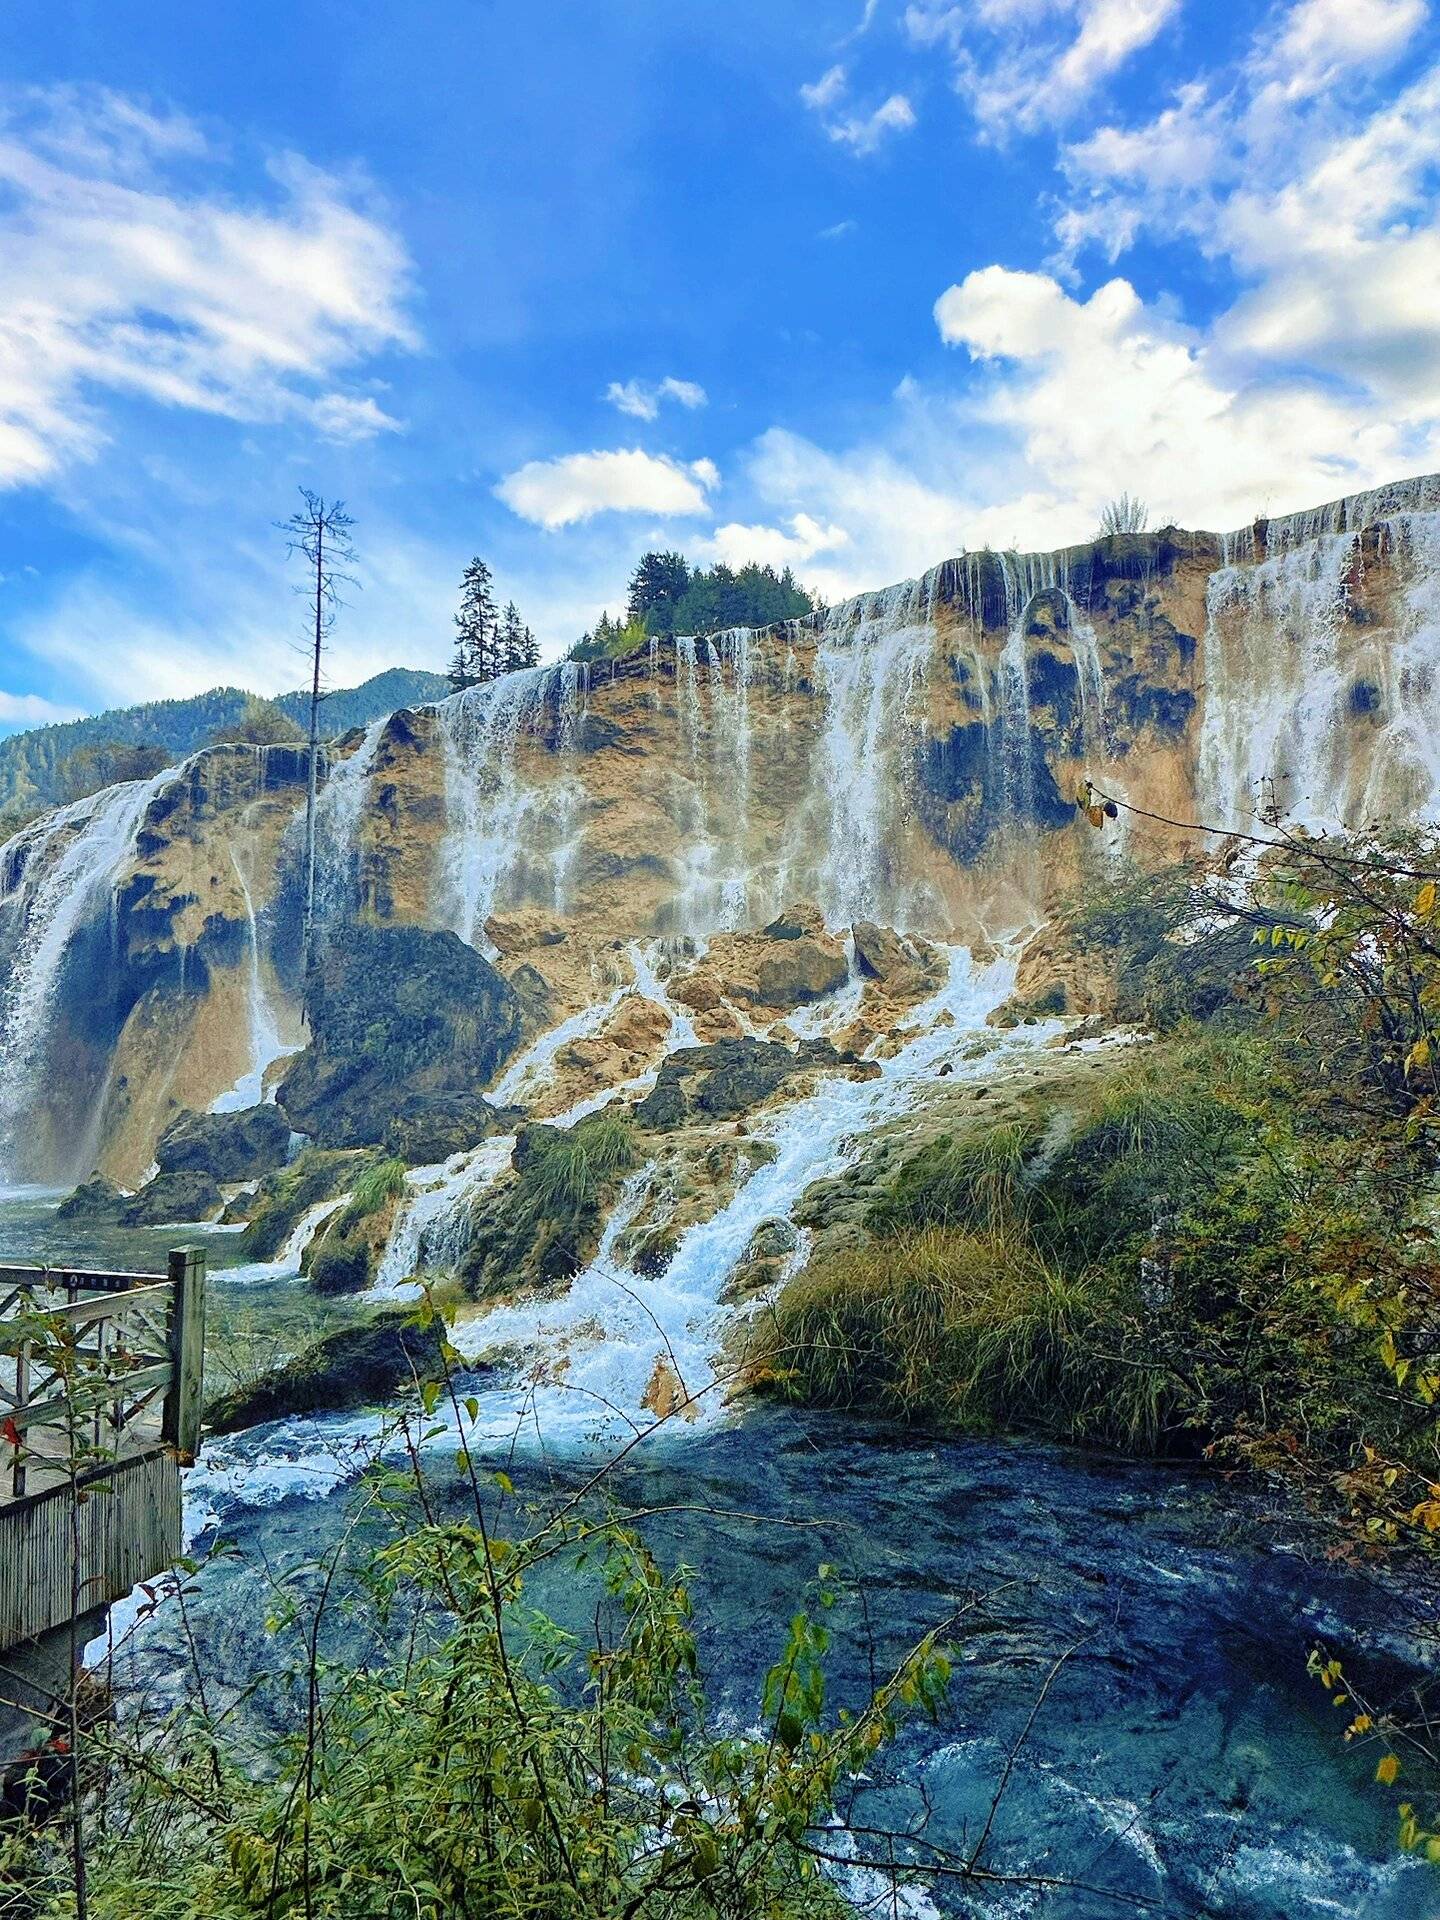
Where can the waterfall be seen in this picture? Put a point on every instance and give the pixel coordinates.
(1310, 709)
(430, 1232)
(61, 874)
(267, 1044)
(871, 663)
(497, 818)
(587, 1359)
(339, 810)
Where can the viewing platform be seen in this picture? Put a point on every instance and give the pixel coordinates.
(101, 1394)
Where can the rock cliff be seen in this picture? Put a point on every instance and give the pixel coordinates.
(899, 771)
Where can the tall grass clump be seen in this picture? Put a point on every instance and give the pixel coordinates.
(977, 1330)
(374, 1188)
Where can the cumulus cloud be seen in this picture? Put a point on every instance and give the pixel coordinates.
(1106, 394)
(643, 399)
(30, 710)
(577, 486)
(130, 269)
(792, 545)
(1021, 64)
(861, 132)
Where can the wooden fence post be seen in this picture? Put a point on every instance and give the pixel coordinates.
(185, 1402)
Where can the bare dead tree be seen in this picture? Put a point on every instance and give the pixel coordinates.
(319, 531)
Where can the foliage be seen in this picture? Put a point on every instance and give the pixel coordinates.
(610, 640)
(488, 642)
(545, 1225)
(669, 596)
(263, 723)
(1124, 514)
(382, 1182)
(484, 1760)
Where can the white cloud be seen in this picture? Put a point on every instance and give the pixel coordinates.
(643, 399)
(124, 276)
(838, 232)
(1107, 394)
(1321, 41)
(827, 91)
(29, 710)
(577, 486)
(774, 546)
(1022, 64)
(863, 133)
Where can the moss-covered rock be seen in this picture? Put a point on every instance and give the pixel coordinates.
(399, 1016)
(94, 1199)
(726, 1079)
(540, 1229)
(350, 1368)
(227, 1146)
(174, 1196)
(284, 1197)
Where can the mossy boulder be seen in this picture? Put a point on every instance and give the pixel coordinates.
(174, 1196)
(227, 1146)
(94, 1199)
(429, 1128)
(399, 1017)
(285, 1196)
(350, 1368)
(726, 1079)
(540, 1229)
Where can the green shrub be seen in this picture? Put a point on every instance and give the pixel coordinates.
(374, 1187)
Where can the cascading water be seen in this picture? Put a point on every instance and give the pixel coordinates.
(267, 1043)
(589, 1357)
(1312, 712)
(871, 664)
(339, 810)
(60, 876)
(497, 818)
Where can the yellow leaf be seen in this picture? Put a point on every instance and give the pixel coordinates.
(1387, 1770)
(1095, 816)
(1425, 900)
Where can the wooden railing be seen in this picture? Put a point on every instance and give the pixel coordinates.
(101, 1381)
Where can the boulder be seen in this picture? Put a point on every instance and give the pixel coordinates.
(94, 1199)
(227, 1146)
(537, 999)
(879, 951)
(725, 1079)
(801, 969)
(400, 1017)
(638, 1025)
(426, 1129)
(796, 922)
(699, 992)
(174, 1196)
(354, 1367)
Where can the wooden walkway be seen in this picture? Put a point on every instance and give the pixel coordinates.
(101, 1391)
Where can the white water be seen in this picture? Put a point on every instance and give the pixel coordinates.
(61, 873)
(339, 811)
(498, 819)
(267, 1043)
(585, 1360)
(1311, 713)
(429, 1235)
(286, 1264)
(872, 662)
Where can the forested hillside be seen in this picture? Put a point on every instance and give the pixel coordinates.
(49, 765)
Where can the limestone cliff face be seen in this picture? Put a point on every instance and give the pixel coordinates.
(909, 761)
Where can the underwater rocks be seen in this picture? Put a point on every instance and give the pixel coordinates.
(227, 1146)
(400, 1017)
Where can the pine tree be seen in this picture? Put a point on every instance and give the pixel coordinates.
(510, 646)
(476, 650)
(656, 588)
(530, 649)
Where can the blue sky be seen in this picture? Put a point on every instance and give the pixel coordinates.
(848, 286)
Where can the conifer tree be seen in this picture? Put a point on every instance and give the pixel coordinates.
(510, 646)
(530, 649)
(476, 656)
